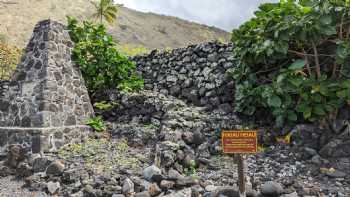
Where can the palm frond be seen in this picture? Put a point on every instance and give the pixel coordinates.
(106, 9)
(95, 4)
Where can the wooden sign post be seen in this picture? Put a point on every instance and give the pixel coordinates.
(240, 142)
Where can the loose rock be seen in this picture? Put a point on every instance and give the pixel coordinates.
(53, 187)
(271, 189)
(55, 168)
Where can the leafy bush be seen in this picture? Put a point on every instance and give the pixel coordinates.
(293, 60)
(9, 58)
(97, 55)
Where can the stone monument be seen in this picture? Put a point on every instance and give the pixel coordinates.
(46, 104)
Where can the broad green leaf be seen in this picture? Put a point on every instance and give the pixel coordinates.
(296, 81)
(328, 30)
(319, 110)
(280, 78)
(342, 94)
(326, 19)
(304, 96)
(329, 108)
(324, 90)
(306, 10)
(267, 43)
(315, 88)
(346, 84)
(279, 121)
(341, 52)
(317, 98)
(307, 113)
(298, 64)
(302, 107)
(308, 3)
(274, 101)
(292, 116)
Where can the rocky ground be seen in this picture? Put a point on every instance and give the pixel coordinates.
(157, 145)
(129, 171)
(12, 187)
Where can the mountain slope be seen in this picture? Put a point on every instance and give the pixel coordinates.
(134, 28)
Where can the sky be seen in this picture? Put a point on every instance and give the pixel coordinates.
(225, 14)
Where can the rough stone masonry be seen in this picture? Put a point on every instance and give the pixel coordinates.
(198, 74)
(46, 103)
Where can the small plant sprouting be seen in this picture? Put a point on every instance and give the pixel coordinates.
(97, 124)
(191, 170)
(150, 126)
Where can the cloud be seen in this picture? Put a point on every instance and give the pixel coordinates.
(226, 14)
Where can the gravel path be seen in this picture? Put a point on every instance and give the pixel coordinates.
(10, 187)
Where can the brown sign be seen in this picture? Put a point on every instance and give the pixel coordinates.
(239, 141)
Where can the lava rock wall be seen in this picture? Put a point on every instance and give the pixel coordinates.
(46, 92)
(198, 74)
(3, 90)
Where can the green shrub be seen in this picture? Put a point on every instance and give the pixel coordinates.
(102, 65)
(293, 60)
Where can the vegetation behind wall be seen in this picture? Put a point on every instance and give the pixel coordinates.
(102, 65)
(9, 58)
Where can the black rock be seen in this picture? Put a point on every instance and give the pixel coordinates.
(225, 191)
(271, 189)
(55, 168)
(89, 191)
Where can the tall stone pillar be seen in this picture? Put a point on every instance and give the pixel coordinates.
(46, 103)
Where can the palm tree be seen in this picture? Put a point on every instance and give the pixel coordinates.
(105, 9)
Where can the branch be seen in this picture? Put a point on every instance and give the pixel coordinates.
(341, 70)
(334, 71)
(307, 63)
(302, 54)
(341, 27)
(317, 60)
(268, 70)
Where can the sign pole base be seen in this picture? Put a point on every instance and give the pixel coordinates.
(241, 176)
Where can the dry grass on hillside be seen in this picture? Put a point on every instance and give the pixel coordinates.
(18, 17)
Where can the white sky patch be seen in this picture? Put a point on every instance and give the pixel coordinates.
(225, 14)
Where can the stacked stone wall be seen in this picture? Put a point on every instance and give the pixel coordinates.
(198, 74)
(3, 88)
